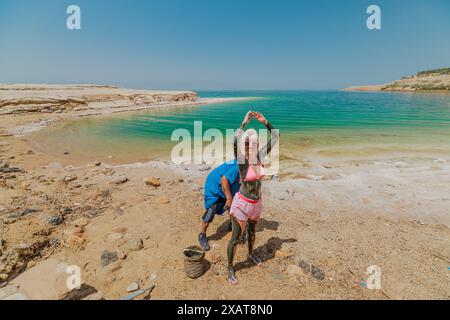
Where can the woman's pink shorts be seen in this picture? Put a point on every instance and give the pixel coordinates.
(244, 209)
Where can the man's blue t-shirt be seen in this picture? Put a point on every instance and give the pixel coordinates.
(213, 185)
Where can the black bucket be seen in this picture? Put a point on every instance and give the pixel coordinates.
(194, 262)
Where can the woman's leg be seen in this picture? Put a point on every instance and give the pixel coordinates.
(238, 226)
(251, 241)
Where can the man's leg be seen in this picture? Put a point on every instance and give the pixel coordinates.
(207, 218)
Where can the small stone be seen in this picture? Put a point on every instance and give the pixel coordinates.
(97, 163)
(204, 168)
(65, 210)
(135, 244)
(81, 222)
(133, 287)
(31, 264)
(122, 255)
(327, 166)
(30, 152)
(153, 182)
(24, 249)
(70, 178)
(317, 273)
(119, 180)
(55, 220)
(108, 257)
(3, 277)
(162, 200)
(283, 253)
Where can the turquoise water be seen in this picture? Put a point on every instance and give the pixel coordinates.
(310, 122)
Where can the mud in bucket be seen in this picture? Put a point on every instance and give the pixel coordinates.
(194, 262)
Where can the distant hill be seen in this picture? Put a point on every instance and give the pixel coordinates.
(437, 80)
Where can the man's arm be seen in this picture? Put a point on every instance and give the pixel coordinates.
(226, 190)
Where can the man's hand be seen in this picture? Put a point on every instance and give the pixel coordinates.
(228, 204)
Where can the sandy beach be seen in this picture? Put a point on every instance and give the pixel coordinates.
(341, 215)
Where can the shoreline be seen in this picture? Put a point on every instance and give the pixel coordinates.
(32, 124)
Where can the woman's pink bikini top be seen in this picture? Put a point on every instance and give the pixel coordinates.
(251, 174)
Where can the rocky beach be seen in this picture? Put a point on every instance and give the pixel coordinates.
(125, 225)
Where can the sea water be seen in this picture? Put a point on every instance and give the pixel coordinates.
(311, 123)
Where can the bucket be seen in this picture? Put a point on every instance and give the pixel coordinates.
(194, 261)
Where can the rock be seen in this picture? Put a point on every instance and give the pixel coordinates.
(97, 163)
(304, 266)
(135, 244)
(134, 286)
(153, 182)
(119, 180)
(204, 168)
(81, 222)
(317, 273)
(101, 194)
(24, 249)
(65, 210)
(108, 171)
(29, 152)
(23, 213)
(74, 237)
(70, 178)
(283, 253)
(162, 200)
(55, 220)
(327, 166)
(122, 255)
(3, 277)
(108, 257)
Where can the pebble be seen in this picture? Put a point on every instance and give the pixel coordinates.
(120, 180)
(70, 178)
(153, 182)
(55, 220)
(108, 257)
(97, 163)
(283, 253)
(133, 287)
(81, 222)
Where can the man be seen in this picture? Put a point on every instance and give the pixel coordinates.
(220, 187)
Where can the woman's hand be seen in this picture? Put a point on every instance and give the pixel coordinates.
(247, 118)
(259, 116)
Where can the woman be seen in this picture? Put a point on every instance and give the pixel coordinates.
(247, 203)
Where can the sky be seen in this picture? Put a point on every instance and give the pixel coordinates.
(222, 44)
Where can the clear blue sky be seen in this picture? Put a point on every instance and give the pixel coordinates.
(221, 44)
